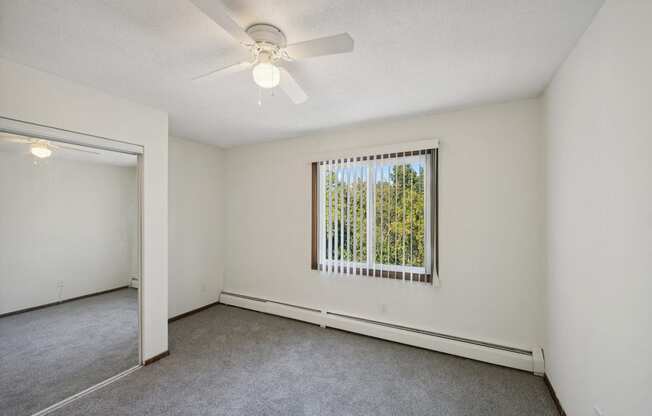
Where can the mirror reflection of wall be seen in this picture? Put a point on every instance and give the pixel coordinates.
(69, 269)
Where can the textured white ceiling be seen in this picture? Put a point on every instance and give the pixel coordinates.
(410, 56)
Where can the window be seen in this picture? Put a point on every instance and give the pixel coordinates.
(376, 215)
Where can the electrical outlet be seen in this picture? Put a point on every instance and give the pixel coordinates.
(59, 283)
(203, 287)
(597, 411)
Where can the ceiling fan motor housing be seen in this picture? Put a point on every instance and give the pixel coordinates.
(267, 34)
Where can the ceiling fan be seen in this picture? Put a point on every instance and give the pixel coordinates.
(40, 148)
(269, 50)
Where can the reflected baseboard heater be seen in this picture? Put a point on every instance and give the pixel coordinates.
(518, 358)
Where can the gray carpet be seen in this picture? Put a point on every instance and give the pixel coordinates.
(229, 361)
(49, 354)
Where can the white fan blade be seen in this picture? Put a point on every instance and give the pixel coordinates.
(290, 86)
(76, 149)
(14, 138)
(330, 45)
(224, 71)
(220, 15)
(8, 137)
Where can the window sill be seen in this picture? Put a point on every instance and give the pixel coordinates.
(383, 274)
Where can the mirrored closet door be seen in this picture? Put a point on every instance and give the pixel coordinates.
(69, 269)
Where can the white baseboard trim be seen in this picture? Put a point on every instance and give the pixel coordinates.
(538, 362)
(482, 351)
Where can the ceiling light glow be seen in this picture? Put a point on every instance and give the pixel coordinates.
(266, 75)
(40, 150)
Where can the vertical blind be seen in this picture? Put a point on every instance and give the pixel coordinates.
(376, 215)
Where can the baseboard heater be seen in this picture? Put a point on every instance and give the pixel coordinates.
(507, 356)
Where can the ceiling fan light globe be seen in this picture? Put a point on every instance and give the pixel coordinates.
(266, 75)
(40, 151)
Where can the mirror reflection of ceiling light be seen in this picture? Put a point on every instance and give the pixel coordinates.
(40, 149)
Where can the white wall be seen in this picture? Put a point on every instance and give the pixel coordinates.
(64, 221)
(491, 218)
(38, 97)
(599, 129)
(196, 225)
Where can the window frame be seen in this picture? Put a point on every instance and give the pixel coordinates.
(431, 217)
